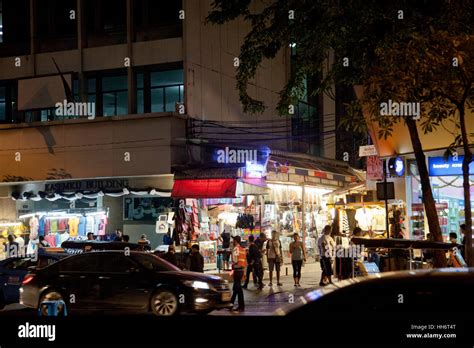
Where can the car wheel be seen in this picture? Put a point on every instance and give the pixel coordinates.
(164, 303)
(51, 295)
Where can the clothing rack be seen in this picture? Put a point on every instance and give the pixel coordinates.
(62, 214)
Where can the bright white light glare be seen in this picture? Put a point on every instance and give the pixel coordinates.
(200, 285)
(315, 190)
(201, 300)
(314, 295)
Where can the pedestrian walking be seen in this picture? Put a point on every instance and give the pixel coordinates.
(253, 264)
(196, 260)
(225, 240)
(326, 247)
(260, 243)
(239, 262)
(298, 256)
(275, 257)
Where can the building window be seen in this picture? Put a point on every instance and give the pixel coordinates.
(106, 22)
(14, 28)
(166, 90)
(140, 94)
(3, 104)
(91, 90)
(155, 20)
(159, 91)
(114, 95)
(56, 30)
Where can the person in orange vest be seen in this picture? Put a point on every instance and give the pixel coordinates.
(239, 262)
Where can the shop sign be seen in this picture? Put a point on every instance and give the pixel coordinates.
(438, 166)
(271, 176)
(296, 178)
(396, 166)
(367, 150)
(86, 185)
(254, 170)
(313, 179)
(374, 168)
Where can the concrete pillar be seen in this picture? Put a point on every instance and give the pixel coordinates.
(33, 38)
(131, 79)
(81, 44)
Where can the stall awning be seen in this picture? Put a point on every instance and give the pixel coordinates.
(205, 188)
(218, 188)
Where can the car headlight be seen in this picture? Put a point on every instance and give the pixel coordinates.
(197, 284)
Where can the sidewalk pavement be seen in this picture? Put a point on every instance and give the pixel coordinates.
(267, 300)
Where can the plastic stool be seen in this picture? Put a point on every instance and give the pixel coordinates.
(53, 308)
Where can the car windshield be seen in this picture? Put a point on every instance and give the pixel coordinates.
(153, 262)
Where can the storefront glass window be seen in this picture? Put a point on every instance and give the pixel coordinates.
(2, 104)
(115, 95)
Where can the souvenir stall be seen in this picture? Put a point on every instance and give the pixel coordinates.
(217, 205)
(284, 208)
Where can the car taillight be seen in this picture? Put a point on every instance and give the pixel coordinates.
(27, 279)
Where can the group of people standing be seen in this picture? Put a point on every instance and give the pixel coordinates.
(250, 262)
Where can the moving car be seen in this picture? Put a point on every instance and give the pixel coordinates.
(134, 282)
(14, 269)
(424, 291)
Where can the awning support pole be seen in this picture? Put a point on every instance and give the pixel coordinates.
(303, 215)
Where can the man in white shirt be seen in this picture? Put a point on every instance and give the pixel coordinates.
(326, 247)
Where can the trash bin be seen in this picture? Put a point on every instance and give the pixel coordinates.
(52, 308)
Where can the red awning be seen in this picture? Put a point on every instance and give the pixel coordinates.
(205, 188)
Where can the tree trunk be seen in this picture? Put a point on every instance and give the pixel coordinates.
(428, 200)
(467, 193)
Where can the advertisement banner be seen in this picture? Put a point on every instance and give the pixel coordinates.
(374, 168)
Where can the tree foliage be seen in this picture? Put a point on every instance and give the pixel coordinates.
(353, 29)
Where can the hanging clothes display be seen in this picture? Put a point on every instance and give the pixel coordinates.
(73, 224)
(62, 225)
(42, 225)
(34, 227)
(81, 228)
(102, 224)
(89, 224)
